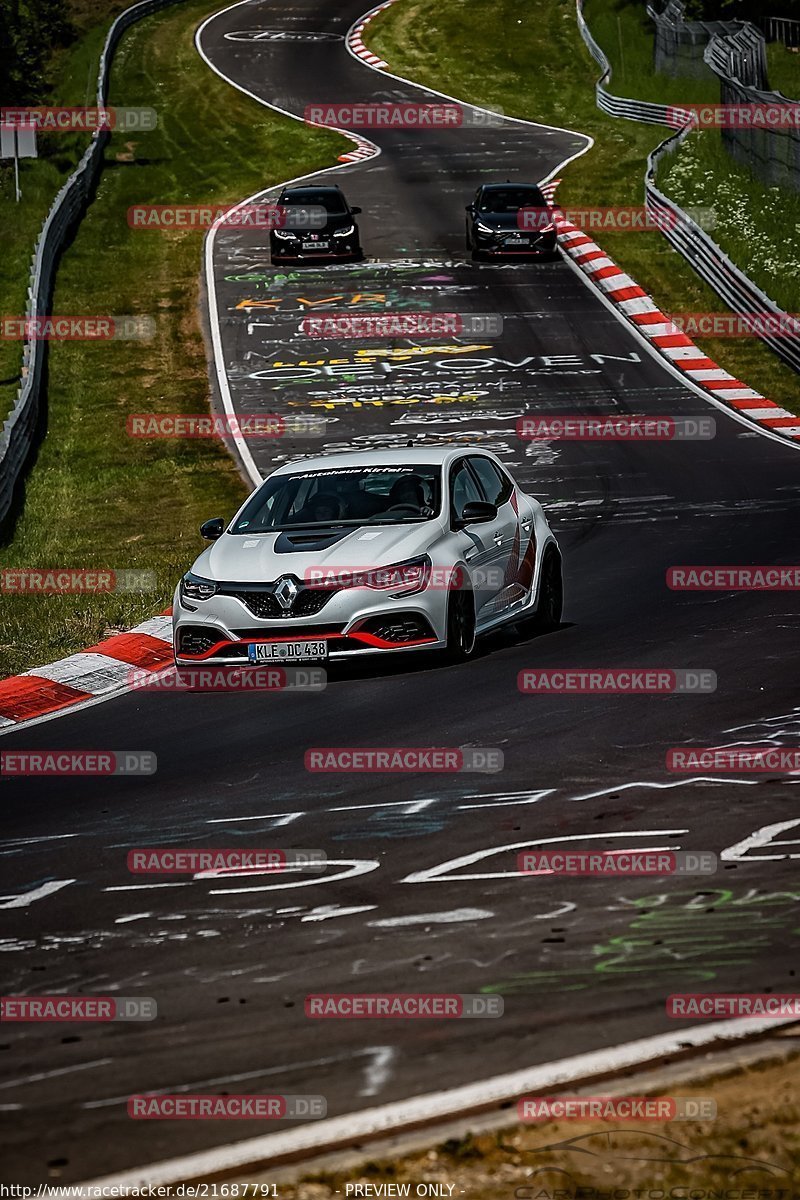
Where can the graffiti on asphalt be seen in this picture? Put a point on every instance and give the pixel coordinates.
(694, 938)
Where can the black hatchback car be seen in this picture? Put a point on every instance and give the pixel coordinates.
(320, 224)
(498, 227)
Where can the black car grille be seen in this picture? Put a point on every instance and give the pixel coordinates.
(399, 628)
(264, 604)
(194, 639)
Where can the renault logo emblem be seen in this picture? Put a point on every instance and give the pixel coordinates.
(285, 592)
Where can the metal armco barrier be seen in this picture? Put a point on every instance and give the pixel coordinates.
(618, 106)
(704, 255)
(19, 429)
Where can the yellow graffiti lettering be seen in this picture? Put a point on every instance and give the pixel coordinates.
(330, 402)
(274, 302)
(270, 304)
(416, 351)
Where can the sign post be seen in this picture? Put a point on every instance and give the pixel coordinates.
(18, 140)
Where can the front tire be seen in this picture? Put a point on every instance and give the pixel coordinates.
(461, 637)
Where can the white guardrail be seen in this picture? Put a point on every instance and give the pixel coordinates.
(22, 427)
(701, 252)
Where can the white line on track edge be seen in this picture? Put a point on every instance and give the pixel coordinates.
(315, 1137)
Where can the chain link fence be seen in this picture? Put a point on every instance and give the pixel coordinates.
(679, 45)
(23, 426)
(772, 150)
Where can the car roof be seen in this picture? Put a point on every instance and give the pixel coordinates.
(490, 187)
(312, 187)
(399, 455)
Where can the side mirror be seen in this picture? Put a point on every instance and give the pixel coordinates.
(354, 209)
(470, 208)
(477, 512)
(213, 529)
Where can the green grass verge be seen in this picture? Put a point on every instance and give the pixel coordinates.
(536, 66)
(96, 498)
(625, 32)
(783, 70)
(757, 226)
(73, 75)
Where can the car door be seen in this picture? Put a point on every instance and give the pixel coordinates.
(516, 553)
(484, 540)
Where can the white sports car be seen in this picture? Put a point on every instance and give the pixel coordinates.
(375, 551)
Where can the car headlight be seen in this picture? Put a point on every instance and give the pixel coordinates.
(400, 579)
(194, 587)
(284, 235)
(484, 228)
(346, 232)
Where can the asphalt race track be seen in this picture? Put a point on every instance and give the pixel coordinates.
(581, 963)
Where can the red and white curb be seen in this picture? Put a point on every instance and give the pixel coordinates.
(633, 302)
(355, 41)
(364, 149)
(98, 671)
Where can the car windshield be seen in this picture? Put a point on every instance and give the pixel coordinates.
(511, 199)
(364, 495)
(332, 202)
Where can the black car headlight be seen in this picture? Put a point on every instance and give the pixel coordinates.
(348, 231)
(285, 235)
(194, 587)
(481, 228)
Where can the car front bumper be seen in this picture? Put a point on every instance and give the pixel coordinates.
(300, 250)
(545, 246)
(220, 629)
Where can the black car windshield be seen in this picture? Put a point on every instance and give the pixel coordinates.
(510, 199)
(362, 495)
(332, 202)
